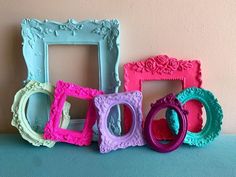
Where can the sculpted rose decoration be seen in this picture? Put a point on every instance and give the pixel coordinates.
(173, 64)
(162, 60)
(162, 64)
(151, 65)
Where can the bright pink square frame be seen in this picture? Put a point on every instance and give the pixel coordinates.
(52, 130)
(162, 67)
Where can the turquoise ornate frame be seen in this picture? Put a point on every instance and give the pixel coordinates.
(214, 115)
(38, 35)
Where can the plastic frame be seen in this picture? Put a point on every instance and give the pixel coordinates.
(38, 35)
(168, 101)
(162, 67)
(20, 120)
(104, 103)
(54, 132)
(214, 115)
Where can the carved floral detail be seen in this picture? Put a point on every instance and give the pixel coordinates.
(103, 104)
(37, 34)
(161, 64)
(109, 30)
(163, 67)
(171, 99)
(53, 132)
(72, 26)
(33, 30)
(19, 119)
(213, 111)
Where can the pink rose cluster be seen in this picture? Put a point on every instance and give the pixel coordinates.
(164, 64)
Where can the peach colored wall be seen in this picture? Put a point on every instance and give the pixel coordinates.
(202, 29)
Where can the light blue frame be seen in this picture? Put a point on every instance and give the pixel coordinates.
(38, 35)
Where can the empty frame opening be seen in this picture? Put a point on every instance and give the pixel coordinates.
(121, 106)
(77, 112)
(154, 90)
(36, 122)
(77, 64)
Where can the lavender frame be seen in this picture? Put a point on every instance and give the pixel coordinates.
(104, 103)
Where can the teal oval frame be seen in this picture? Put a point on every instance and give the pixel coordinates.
(38, 35)
(20, 120)
(214, 115)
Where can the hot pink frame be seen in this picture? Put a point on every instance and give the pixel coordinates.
(54, 132)
(162, 67)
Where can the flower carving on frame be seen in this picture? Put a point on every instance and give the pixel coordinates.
(162, 64)
(109, 30)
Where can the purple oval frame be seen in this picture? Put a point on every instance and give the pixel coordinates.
(107, 141)
(165, 102)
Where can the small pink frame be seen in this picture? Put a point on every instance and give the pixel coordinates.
(162, 67)
(52, 130)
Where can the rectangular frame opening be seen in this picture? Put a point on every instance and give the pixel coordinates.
(76, 64)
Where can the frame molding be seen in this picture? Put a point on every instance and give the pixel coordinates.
(162, 67)
(38, 35)
(169, 101)
(214, 117)
(20, 120)
(52, 130)
(134, 137)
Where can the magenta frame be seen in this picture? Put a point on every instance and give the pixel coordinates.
(162, 67)
(54, 132)
(169, 101)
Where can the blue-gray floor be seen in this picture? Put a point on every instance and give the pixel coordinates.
(20, 159)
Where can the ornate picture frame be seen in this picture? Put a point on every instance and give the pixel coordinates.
(214, 116)
(159, 68)
(38, 35)
(134, 137)
(20, 120)
(52, 130)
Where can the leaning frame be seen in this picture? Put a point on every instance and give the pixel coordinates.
(38, 35)
(53, 131)
(159, 68)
